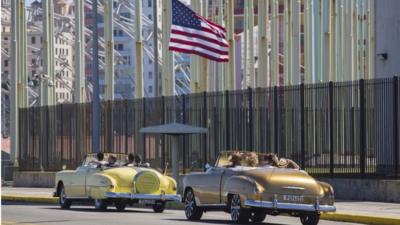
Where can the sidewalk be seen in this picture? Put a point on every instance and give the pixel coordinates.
(378, 213)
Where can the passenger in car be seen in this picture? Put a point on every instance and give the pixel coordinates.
(99, 160)
(269, 159)
(138, 161)
(252, 159)
(235, 159)
(111, 161)
(288, 163)
(130, 160)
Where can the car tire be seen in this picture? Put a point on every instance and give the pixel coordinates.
(238, 213)
(192, 212)
(120, 205)
(309, 219)
(101, 204)
(159, 206)
(257, 216)
(64, 202)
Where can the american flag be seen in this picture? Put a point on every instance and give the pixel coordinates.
(193, 34)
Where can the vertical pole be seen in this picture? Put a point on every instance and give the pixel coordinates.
(362, 128)
(263, 61)
(303, 130)
(109, 49)
(205, 121)
(326, 39)
(296, 52)
(194, 59)
(276, 122)
(155, 46)
(251, 120)
(396, 145)
(22, 74)
(251, 44)
(184, 136)
(245, 47)
(80, 52)
(14, 84)
(175, 157)
(371, 38)
(227, 121)
(220, 67)
(96, 97)
(288, 44)
(274, 76)
(139, 51)
(168, 72)
(231, 80)
(48, 53)
(331, 136)
(163, 148)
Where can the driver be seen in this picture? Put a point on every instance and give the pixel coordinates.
(111, 161)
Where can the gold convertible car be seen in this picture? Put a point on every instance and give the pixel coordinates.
(119, 185)
(249, 193)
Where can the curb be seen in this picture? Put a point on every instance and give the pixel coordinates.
(354, 218)
(36, 199)
(341, 217)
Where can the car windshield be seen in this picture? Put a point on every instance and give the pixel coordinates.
(92, 157)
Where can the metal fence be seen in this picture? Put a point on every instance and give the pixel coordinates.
(348, 129)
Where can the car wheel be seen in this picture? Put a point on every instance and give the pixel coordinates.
(64, 202)
(120, 205)
(101, 204)
(159, 207)
(192, 212)
(309, 219)
(257, 216)
(238, 213)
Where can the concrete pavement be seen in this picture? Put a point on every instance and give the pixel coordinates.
(350, 211)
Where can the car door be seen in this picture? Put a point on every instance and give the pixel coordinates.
(77, 183)
(210, 190)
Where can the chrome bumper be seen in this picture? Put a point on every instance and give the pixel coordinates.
(290, 206)
(162, 197)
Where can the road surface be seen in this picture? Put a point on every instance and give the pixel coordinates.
(28, 214)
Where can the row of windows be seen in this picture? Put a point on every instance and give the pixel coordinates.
(63, 95)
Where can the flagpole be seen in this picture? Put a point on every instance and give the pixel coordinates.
(109, 49)
(167, 56)
(220, 67)
(251, 44)
(245, 44)
(274, 76)
(139, 92)
(231, 79)
(262, 43)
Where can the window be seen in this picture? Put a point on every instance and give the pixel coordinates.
(150, 75)
(150, 61)
(5, 62)
(5, 38)
(120, 47)
(66, 50)
(33, 73)
(121, 33)
(41, 39)
(115, 32)
(56, 51)
(149, 3)
(33, 61)
(33, 40)
(150, 88)
(150, 17)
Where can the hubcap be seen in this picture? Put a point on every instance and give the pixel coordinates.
(189, 203)
(235, 207)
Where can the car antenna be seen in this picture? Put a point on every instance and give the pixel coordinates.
(165, 169)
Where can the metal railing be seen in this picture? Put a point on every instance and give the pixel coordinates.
(348, 129)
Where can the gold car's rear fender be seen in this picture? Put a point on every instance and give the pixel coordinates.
(245, 186)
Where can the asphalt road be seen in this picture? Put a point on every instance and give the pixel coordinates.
(28, 214)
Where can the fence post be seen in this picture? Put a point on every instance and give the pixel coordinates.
(184, 136)
(396, 124)
(206, 126)
(303, 130)
(163, 136)
(251, 125)
(144, 125)
(276, 118)
(362, 128)
(331, 155)
(228, 144)
(126, 126)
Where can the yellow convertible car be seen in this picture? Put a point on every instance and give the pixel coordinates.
(250, 192)
(119, 185)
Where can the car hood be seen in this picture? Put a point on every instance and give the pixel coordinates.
(285, 181)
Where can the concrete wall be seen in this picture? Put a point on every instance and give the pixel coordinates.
(387, 34)
(34, 179)
(366, 189)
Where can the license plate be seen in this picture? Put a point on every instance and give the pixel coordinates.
(146, 201)
(293, 198)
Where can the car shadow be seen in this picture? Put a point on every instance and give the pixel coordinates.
(111, 210)
(214, 221)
